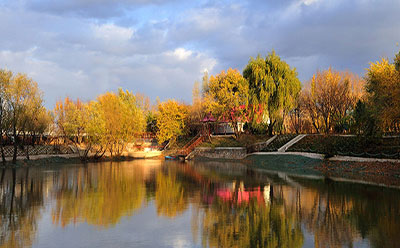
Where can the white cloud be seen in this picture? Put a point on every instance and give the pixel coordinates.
(180, 53)
(308, 2)
(111, 32)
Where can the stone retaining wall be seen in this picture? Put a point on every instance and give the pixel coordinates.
(220, 152)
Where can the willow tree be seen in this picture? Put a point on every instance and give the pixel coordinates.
(228, 98)
(273, 88)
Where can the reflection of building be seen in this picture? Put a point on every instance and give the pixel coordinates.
(240, 194)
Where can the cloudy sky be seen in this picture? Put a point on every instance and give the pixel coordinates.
(82, 48)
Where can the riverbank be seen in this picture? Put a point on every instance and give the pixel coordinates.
(44, 159)
(380, 173)
(367, 170)
(59, 159)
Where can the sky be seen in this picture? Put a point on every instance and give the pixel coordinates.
(83, 48)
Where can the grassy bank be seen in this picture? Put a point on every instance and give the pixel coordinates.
(349, 146)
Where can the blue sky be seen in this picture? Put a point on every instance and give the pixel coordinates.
(82, 48)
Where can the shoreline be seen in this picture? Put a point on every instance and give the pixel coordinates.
(379, 172)
(334, 158)
(48, 159)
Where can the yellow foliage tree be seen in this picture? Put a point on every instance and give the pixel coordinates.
(227, 97)
(171, 118)
(24, 99)
(383, 87)
(330, 98)
(124, 119)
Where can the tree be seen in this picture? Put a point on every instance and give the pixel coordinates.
(364, 121)
(95, 129)
(383, 93)
(171, 118)
(108, 123)
(330, 98)
(71, 121)
(38, 121)
(23, 97)
(228, 92)
(273, 87)
(5, 79)
(124, 119)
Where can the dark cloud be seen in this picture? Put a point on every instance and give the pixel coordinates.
(162, 49)
(312, 34)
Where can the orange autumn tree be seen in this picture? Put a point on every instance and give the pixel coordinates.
(330, 97)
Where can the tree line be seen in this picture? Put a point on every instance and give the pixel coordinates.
(267, 98)
(22, 114)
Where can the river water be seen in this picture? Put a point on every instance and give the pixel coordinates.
(151, 203)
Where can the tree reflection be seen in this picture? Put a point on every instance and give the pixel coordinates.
(170, 198)
(21, 198)
(229, 208)
(99, 195)
(245, 220)
(340, 214)
(336, 214)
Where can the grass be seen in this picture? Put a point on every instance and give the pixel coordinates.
(349, 146)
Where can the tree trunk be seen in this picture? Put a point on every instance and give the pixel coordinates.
(14, 176)
(27, 152)
(14, 161)
(3, 172)
(3, 156)
(271, 128)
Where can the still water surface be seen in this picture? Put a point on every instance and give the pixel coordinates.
(207, 204)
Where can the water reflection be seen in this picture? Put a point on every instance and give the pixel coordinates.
(21, 197)
(229, 205)
(98, 195)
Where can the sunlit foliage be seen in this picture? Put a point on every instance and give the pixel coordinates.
(383, 87)
(171, 118)
(107, 124)
(21, 103)
(124, 119)
(330, 98)
(228, 98)
(273, 87)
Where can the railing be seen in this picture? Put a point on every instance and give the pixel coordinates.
(191, 141)
(189, 147)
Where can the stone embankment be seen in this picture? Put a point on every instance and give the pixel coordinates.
(232, 153)
(264, 148)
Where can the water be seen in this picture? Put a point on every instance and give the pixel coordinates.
(171, 204)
